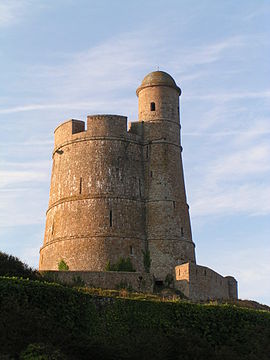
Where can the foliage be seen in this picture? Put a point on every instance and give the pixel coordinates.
(124, 285)
(62, 265)
(82, 326)
(12, 266)
(169, 280)
(121, 265)
(78, 281)
(41, 352)
(147, 260)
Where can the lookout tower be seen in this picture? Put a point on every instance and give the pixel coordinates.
(168, 227)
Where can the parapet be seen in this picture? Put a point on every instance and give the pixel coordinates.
(106, 125)
(63, 133)
(97, 126)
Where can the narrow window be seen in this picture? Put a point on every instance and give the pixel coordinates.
(131, 250)
(53, 227)
(147, 152)
(153, 106)
(179, 272)
(204, 272)
(151, 173)
(140, 188)
(110, 218)
(80, 185)
(174, 204)
(182, 231)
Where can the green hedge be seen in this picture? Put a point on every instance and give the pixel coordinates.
(61, 320)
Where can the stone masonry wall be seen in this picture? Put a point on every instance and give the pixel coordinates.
(201, 283)
(106, 279)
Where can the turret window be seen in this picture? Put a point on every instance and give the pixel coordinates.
(131, 250)
(182, 231)
(110, 218)
(153, 106)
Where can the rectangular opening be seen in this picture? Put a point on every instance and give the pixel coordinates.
(80, 185)
(110, 218)
(153, 106)
(151, 173)
(182, 231)
(131, 250)
(147, 152)
(174, 204)
(140, 188)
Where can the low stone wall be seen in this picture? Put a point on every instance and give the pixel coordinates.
(106, 280)
(201, 283)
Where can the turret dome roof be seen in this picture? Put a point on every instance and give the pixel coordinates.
(158, 78)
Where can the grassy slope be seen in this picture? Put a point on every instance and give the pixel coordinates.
(83, 326)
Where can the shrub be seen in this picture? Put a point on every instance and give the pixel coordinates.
(121, 265)
(12, 266)
(169, 280)
(41, 352)
(78, 281)
(146, 260)
(63, 266)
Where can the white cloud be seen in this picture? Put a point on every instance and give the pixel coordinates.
(12, 11)
(231, 96)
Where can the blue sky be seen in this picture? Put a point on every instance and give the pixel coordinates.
(66, 59)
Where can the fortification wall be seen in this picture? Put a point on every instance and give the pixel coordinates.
(106, 280)
(201, 283)
(97, 187)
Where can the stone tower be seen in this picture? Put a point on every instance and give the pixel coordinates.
(96, 209)
(117, 193)
(168, 227)
(120, 194)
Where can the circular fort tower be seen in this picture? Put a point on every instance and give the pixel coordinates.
(96, 210)
(117, 193)
(168, 227)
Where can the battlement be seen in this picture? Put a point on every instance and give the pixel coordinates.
(97, 126)
(107, 125)
(202, 283)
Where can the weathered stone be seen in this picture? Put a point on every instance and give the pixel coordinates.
(118, 194)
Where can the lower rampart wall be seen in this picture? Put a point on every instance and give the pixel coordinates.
(201, 283)
(106, 280)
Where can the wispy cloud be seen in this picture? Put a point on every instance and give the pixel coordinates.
(14, 174)
(230, 96)
(12, 11)
(115, 66)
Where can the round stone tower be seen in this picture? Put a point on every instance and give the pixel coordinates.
(168, 227)
(96, 209)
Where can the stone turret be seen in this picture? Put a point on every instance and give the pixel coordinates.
(167, 216)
